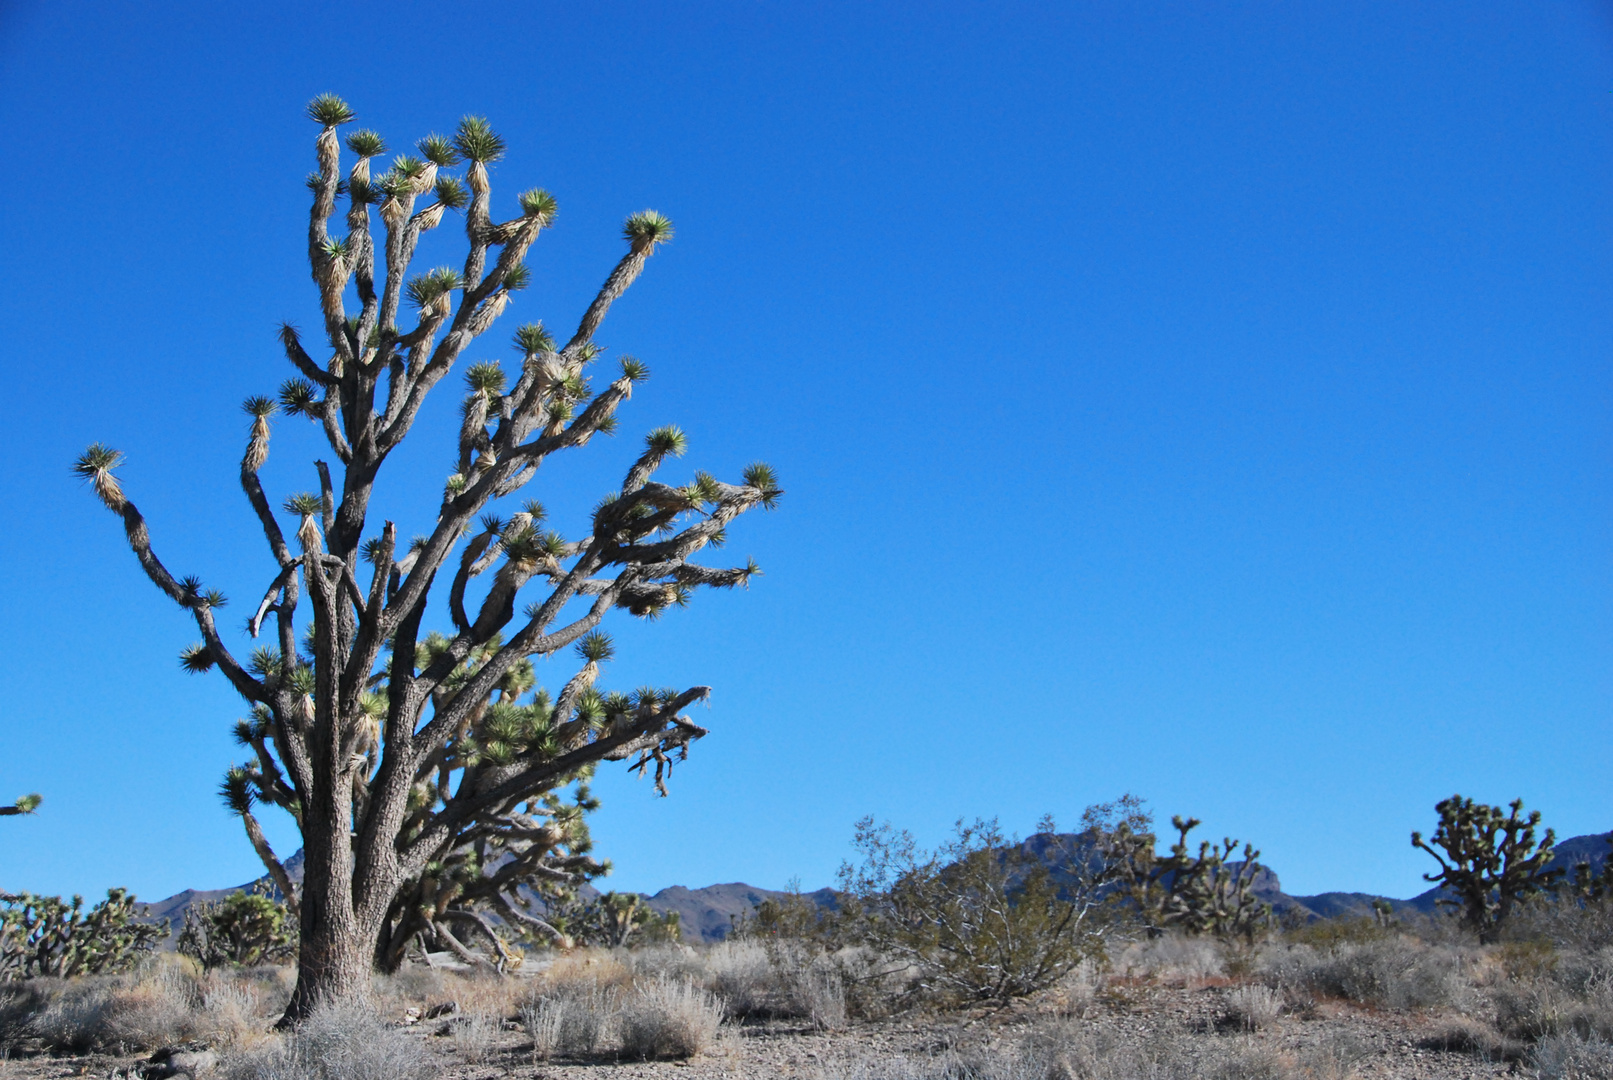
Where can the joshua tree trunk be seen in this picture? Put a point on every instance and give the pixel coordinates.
(425, 781)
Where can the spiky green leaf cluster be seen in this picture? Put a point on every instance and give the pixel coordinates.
(236, 790)
(646, 229)
(485, 378)
(258, 406)
(409, 166)
(366, 143)
(451, 193)
(538, 203)
(428, 288)
(438, 149)
(596, 648)
(666, 441)
(298, 398)
(476, 140)
(634, 370)
(516, 278)
(328, 110)
(315, 182)
(760, 476)
(265, 662)
(197, 658)
(305, 504)
(97, 459)
(532, 338)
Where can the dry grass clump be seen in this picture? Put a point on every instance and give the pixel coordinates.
(1072, 1050)
(1172, 959)
(672, 961)
(342, 1041)
(1569, 1057)
(168, 1000)
(573, 1009)
(668, 1018)
(779, 979)
(1251, 1007)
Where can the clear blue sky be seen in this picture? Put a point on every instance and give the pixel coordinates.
(1210, 402)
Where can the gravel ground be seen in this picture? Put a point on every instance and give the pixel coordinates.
(1375, 1044)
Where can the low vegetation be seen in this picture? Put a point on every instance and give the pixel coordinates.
(1052, 958)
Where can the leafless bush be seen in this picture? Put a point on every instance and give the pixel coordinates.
(1567, 921)
(667, 1018)
(341, 1041)
(1399, 973)
(1569, 1057)
(1251, 1008)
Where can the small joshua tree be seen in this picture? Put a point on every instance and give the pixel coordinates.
(245, 928)
(1488, 860)
(1209, 892)
(423, 772)
(25, 805)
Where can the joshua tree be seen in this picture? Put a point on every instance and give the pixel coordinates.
(397, 754)
(1490, 860)
(25, 805)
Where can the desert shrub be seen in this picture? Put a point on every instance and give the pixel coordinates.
(1329, 934)
(671, 960)
(978, 919)
(1395, 974)
(1465, 1035)
(1566, 920)
(20, 1002)
(338, 1041)
(1570, 1057)
(780, 979)
(575, 1018)
(1174, 958)
(1536, 1009)
(475, 1034)
(667, 1018)
(741, 974)
(1251, 1007)
(245, 929)
(46, 935)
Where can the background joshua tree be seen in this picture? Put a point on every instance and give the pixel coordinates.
(1488, 860)
(399, 754)
(25, 805)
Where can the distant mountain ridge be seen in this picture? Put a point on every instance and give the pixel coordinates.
(708, 913)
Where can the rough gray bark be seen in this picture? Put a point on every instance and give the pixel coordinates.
(398, 754)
